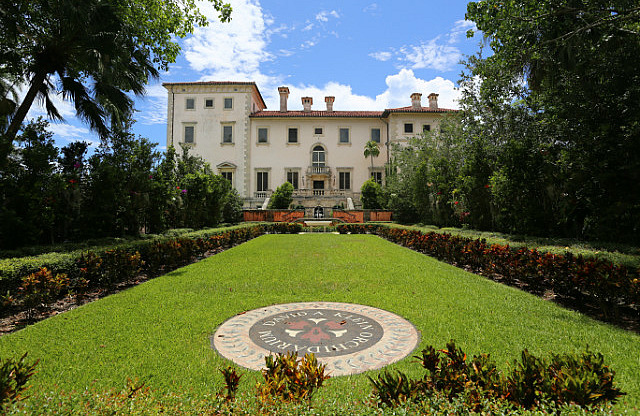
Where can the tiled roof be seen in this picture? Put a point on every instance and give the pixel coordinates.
(300, 113)
(411, 109)
(251, 83)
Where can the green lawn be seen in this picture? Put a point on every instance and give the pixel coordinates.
(159, 331)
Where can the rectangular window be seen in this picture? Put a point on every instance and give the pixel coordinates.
(344, 135)
(189, 134)
(317, 130)
(377, 176)
(227, 134)
(190, 104)
(208, 103)
(426, 127)
(292, 178)
(263, 135)
(228, 176)
(228, 103)
(375, 135)
(408, 127)
(262, 181)
(293, 135)
(345, 180)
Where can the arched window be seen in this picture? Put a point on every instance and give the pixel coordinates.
(318, 158)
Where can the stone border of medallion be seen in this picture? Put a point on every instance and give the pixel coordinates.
(399, 339)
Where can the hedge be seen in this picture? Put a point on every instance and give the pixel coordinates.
(119, 263)
(606, 285)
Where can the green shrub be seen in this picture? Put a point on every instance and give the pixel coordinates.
(116, 264)
(394, 390)
(371, 195)
(40, 288)
(289, 379)
(607, 285)
(14, 376)
(284, 228)
(281, 197)
(231, 382)
(532, 383)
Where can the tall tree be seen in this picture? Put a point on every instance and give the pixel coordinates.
(573, 69)
(94, 52)
(371, 150)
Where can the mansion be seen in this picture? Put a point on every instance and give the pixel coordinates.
(319, 151)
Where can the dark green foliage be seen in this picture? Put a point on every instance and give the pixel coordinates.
(281, 197)
(115, 265)
(580, 379)
(232, 210)
(371, 195)
(41, 288)
(231, 382)
(289, 379)
(14, 375)
(395, 389)
(126, 188)
(284, 228)
(357, 228)
(605, 284)
(547, 141)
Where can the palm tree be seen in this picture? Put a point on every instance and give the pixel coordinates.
(88, 53)
(371, 150)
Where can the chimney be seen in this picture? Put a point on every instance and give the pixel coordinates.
(284, 94)
(306, 104)
(329, 101)
(416, 100)
(433, 101)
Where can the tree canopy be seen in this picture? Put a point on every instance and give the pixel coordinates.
(95, 52)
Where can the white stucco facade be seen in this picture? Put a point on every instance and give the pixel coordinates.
(321, 151)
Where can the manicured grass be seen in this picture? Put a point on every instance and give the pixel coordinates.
(159, 331)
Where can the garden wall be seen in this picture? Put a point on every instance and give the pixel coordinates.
(272, 215)
(362, 215)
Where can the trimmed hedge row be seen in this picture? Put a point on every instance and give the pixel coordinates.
(586, 279)
(13, 269)
(105, 268)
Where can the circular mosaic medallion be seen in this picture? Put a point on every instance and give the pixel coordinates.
(348, 338)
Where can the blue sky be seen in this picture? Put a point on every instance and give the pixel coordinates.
(370, 55)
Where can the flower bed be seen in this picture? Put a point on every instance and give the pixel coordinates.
(29, 283)
(600, 282)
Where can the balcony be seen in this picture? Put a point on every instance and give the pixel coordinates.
(305, 193)
(318, 170)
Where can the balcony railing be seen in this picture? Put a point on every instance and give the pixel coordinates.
(261, 194)
(319, 170)
(322, 192)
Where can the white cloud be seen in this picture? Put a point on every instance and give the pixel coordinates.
(307, 44)
(373, 8)
(69, 131)
(233, 49)
(153, 107)
(324, 15)
(430, 55)
(437, 53)
(401, 85)
(381, 56)
(399, 88)
(460, 30)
